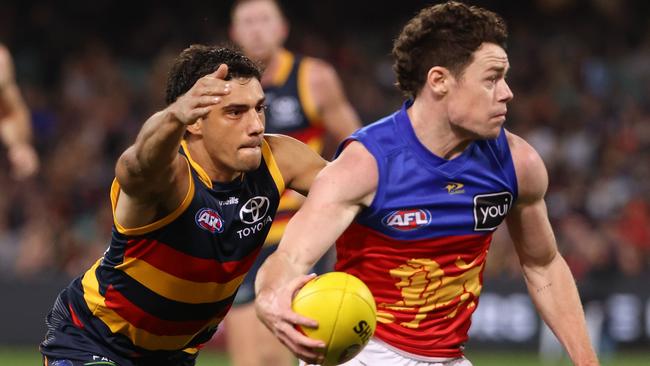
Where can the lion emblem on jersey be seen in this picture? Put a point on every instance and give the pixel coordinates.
(425, 288)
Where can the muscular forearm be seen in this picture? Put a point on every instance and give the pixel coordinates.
(555, 295)
(158, 142)
(277, 271)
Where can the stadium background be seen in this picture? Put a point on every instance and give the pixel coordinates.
(92, 72)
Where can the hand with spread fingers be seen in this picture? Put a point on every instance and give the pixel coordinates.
(198, 101)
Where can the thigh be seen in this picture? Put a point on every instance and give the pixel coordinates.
(241, 342)
(66, 344)
(376, 354)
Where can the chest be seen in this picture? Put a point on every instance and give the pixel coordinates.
(415, 202)
(285, 112)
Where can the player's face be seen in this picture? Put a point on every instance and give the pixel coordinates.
(478, 98)
(259, 28)
(233, 130)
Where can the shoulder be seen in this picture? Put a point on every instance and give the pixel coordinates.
(356, 171)
(320, 73)
(283, 145)
(356, 154)
(532, 177)
(292, 156)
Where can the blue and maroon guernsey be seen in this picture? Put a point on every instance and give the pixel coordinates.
(421, 245)
(166, 286)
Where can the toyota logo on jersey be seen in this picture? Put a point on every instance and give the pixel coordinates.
(407, 220)
(254, 209)
(208, 219)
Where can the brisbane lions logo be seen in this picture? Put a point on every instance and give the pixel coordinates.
(426, 288)
(209, 220)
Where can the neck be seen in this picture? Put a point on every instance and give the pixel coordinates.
(271, 66)
(434, 130)
(215, 172)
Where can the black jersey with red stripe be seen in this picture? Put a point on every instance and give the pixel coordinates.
(166, 286)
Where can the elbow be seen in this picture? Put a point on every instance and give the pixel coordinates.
(540, 261)
(128, 166)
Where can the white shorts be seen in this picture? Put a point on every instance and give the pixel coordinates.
(377, 353)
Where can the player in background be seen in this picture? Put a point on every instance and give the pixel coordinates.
(193, 200)
(305, 100)
(415, 197)
(15, 123)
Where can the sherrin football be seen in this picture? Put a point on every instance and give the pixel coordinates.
(345, 310)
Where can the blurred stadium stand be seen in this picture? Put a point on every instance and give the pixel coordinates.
(92, 72)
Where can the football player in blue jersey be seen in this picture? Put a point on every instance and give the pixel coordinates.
(15, 123)
(193, 200)
(305, 100)
(415, 197)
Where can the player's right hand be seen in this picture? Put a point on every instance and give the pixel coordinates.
(199, 100)
(274, 310)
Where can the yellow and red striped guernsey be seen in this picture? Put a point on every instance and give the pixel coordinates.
(292, 111)
(166, 286)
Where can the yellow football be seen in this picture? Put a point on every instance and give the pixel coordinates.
(345, 310)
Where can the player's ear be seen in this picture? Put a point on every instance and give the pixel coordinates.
(196, 128)
(438, 79)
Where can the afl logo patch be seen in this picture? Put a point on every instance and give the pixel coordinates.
(254, 209)
(208, 219)
(407, 220)
(60, 363)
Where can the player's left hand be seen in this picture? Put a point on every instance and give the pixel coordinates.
(274, 310)
(24, 161)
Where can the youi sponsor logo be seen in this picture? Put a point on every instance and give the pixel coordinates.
(490, 209)
(407, 220)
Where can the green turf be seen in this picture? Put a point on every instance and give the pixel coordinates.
(30, 357)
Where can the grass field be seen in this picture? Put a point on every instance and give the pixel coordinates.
(27, 357)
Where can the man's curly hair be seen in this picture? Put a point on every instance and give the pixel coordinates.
(197, 61)
(443, 35)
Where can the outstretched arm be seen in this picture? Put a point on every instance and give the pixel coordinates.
(339, 118)
(548, 278)
(339, 192)
(151, 173)
(15, 124)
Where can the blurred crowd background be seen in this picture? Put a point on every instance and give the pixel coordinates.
(92, 72)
